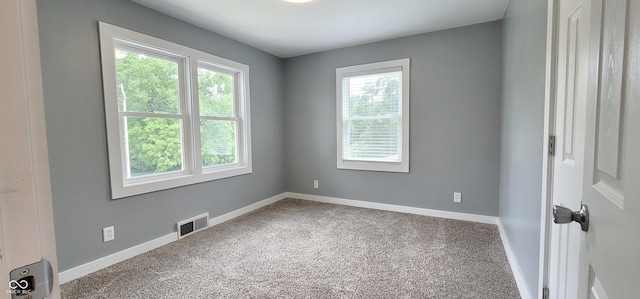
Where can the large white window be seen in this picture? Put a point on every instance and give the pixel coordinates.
(373, 116)
(175, 116)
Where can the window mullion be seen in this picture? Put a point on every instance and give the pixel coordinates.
(237, 110)
(399, 137)
(185, 107)
(239, 142)
(376, 117)
(236, 94)
(125, 148)
(147, 114)
(194, 113)
(204, 117)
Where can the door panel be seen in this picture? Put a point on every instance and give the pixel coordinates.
(612, 161)
(568, 162)
(610, 102)
(596, 291)
(614, 21)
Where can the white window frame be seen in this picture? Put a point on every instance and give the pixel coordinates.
(402, 65)
(188, 62)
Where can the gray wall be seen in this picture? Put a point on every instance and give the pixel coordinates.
(523, 132)
(77, 140)
(455, 126)
(455, 122)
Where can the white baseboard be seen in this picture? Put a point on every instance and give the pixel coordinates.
(112, 259)
(247, 209)
(397, 208)
(525, 292)
(101, 263)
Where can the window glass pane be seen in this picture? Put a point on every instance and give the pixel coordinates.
(372, 106)
(218, 139)
(154, 144)
(146, 83)
(215, 91)
(372, 95)
(373, 140)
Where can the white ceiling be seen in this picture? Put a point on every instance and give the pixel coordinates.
(288, 29)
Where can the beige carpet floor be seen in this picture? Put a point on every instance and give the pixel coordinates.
(302, 249)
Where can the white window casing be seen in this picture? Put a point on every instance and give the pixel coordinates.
(372, 113)
(188, 61)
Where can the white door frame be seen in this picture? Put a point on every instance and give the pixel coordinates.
(549, 129)
(26, 207)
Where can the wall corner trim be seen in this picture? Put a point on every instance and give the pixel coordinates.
(397, 208)
(525, 292)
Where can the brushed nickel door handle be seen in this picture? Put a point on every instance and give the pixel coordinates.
(564, 215)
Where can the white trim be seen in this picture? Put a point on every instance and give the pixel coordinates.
(397, 208)
(547, 160)
(521, 282)
(26, 213)
(402, 65)
(188, 60)
(250, 208)
(112, 259)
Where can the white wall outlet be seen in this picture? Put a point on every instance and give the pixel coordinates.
(108, 234)
(457, 197)
(316, 184)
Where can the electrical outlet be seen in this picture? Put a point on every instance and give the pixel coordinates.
(316, 184)
(457, 197)
(108, 234)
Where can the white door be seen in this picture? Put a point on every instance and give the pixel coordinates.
(612, 154)
(26, 215)
(603, 262)
(568, 162)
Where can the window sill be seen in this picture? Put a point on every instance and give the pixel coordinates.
(123, 189)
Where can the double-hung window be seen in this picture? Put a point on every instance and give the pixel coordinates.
(373, 116)
(175, 116)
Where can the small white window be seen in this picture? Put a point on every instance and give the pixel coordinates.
(373, 116)
(175, 116)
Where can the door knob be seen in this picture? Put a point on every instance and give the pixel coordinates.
(564, 215)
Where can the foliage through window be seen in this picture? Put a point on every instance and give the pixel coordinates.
(163, 99)
(218, 123)
(149, 103)
(372, 103)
